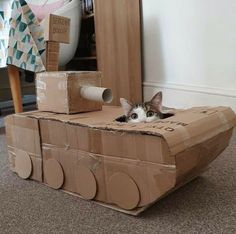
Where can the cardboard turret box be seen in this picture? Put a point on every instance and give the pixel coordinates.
(70, 91)
(120, 165)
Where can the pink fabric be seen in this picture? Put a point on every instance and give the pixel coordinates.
(42, 11)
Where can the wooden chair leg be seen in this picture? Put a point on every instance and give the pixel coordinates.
(14, 78)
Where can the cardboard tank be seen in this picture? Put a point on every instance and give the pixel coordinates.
(120, 165)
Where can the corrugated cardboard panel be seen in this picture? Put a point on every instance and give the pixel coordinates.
(111, 143)
(23, 133)
(205, 126)
(135, 146)
(53, 132)
(194, 160)
(59, 92)
(183, 130)
(76, 102)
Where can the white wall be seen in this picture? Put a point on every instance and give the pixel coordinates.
(190, 51)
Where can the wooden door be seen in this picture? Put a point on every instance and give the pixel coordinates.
(118, 43)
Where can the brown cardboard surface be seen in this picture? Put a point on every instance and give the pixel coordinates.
(148, 160)
(21, 131)
(140, 147)
(195, 159)
(146, 175)
(60, 91)
(180, 131)
(23, 134)
(57, 29)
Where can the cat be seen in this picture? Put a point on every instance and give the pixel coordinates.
(144, 112)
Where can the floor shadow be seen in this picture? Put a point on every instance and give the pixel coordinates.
(183, 198)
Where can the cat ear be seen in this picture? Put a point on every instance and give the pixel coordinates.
(126, 105)
(157, 101)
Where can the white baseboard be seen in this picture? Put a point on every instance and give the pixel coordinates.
(185, 96)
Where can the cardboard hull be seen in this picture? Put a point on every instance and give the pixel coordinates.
(123, 169)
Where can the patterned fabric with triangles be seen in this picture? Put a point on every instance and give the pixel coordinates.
(5, 14)
(26, 47)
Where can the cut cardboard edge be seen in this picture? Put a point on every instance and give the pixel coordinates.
(134, 212)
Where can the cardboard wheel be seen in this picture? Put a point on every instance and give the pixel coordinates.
(53, 173)
(23, 164)
(86, 182)
(123, 191)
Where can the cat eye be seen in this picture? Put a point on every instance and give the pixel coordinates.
(134, 116)
(150, 114)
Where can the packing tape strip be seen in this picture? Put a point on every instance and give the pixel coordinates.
(100, 157)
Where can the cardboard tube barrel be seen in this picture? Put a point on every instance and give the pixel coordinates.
(123, 166)
(98, 94)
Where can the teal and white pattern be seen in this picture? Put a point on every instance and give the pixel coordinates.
(5, 14)
(26, 48)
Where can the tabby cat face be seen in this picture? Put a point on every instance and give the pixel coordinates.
(144, 112)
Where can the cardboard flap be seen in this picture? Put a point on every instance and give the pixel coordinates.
(196, 125)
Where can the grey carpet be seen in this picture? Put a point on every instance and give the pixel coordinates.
(206, 205)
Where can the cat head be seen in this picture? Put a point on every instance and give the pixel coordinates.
(144, 112)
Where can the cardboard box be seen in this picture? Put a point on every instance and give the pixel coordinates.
(60, 92)
(57, 29)
(123, 166)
